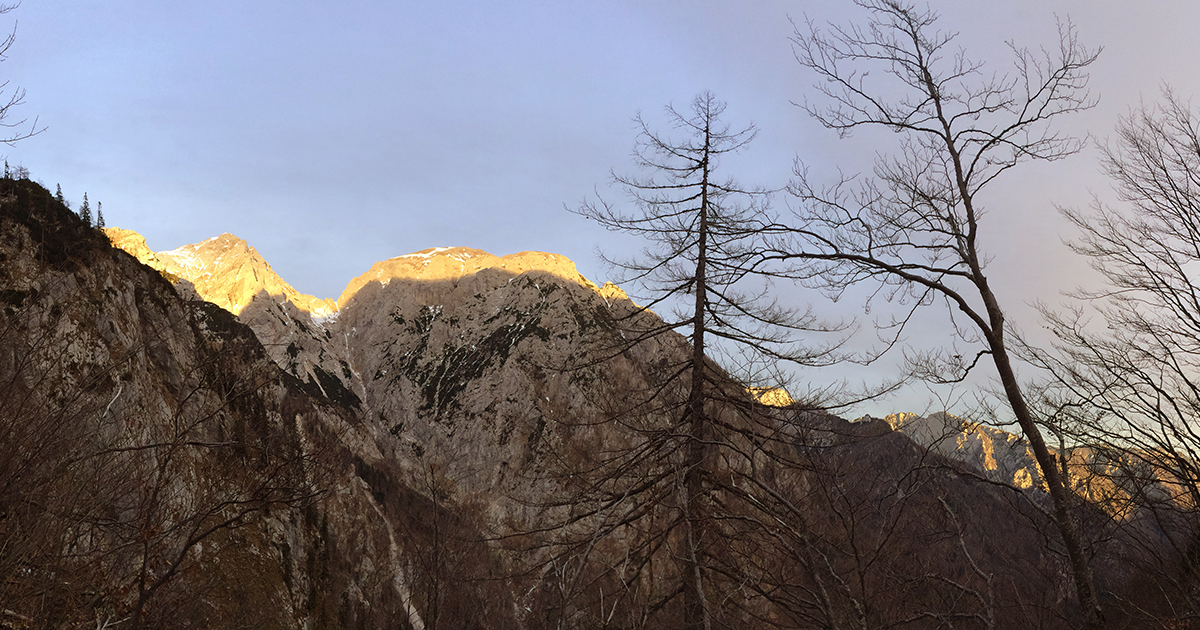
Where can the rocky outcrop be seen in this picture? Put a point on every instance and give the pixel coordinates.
(997, 455)
(228, 272)
(440, 264)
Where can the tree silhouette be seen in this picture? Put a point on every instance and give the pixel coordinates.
(703, 231)
(85, 211)
(914, 229)
(1128, 389)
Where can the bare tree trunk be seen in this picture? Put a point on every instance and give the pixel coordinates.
(696, 611)
(1064, 515)
(915, 225)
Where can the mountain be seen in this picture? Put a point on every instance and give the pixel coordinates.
(223, 270)
(431, 346)
(149, 441)
(430, 279)
(190, 442)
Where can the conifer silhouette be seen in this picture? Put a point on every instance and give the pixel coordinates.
(85, 211)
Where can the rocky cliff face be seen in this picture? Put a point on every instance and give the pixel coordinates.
(223, 270)
(996, 455)
(444, 292)
(158, 470)
(473, 374)
(226, 271)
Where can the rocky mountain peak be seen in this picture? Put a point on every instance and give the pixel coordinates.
(328, 343)
(439, 264)
(224, 270)
(998, 455)
(135, 245)
(429, 452)
(229, 272)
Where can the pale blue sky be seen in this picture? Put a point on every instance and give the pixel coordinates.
(332, 135)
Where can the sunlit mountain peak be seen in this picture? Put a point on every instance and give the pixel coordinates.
(441, 264)
(228, 272)
(224, 270)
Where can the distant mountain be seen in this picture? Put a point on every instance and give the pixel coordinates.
(451, 352)
(227, 271)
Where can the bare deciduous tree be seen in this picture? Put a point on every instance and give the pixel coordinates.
(16, 97)
(1127, 366)
(914, 228)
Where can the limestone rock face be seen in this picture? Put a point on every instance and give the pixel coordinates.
(224, 270)
(228, 272)
(430, 347)
(135, 245)
(1003, 457)
(143, 418)
(450, 263)
(998, 455)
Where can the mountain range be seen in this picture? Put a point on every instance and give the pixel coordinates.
(227, 271)
(191, 442)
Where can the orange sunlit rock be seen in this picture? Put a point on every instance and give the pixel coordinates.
(772, 396)
(452, 263)
(228, 272)
(224, 270)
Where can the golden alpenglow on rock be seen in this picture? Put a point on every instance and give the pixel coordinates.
(135, 245)
(224, 270)
(452, 263)
(296, 329)
(772, 396)
(228, 272)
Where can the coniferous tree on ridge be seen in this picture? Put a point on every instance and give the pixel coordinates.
(85, 211)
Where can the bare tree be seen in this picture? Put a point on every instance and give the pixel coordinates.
(248, 469)
(1127, 366)
(703, 230)
(47, 432)
(14, 98)
(914, 228)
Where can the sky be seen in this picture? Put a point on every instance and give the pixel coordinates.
(333, 135)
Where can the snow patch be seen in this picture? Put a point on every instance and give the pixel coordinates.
(185, 257)
(322, 320)
(427, 253)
